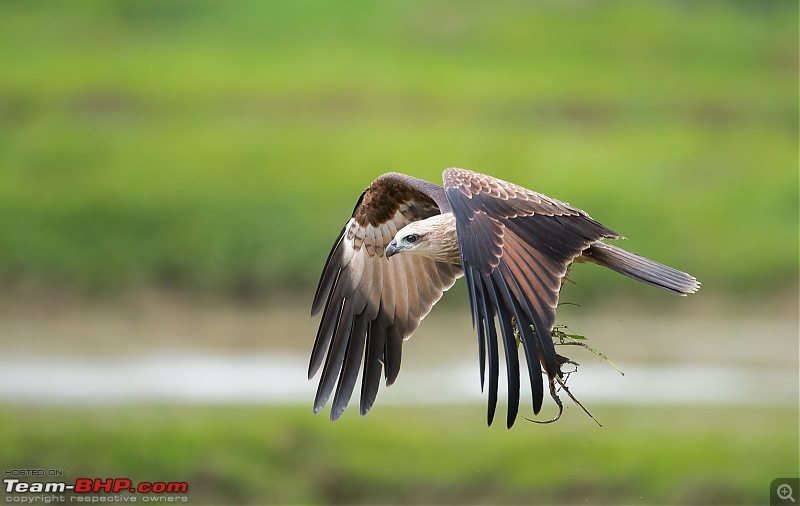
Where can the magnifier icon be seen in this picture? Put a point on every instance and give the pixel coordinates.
(785, 492)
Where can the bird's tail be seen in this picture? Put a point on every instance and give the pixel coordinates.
(641, 268)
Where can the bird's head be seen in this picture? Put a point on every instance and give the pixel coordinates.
(415, 238)
(433, 238)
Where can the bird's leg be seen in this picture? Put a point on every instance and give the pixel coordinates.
(554, 395)
(557, 400)
(566, 337)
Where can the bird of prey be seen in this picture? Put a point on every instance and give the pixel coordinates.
(407, 242)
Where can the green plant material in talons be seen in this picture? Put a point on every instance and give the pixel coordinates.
(566, 337)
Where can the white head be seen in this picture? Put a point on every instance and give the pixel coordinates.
(414, 237)
(434, 237)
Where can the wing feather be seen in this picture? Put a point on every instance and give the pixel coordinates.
(373, 364)
(335, 358)
(352, 364)
(393, 353)
(328, 278)
(327, 327)
(508, 337)
(371, 303)
(512, 362)
(487, 329)
(412, 291)
(515, 247)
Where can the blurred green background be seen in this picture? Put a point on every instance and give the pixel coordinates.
(207, 153)
(220, 145)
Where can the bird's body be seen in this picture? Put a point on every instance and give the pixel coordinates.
(407, 242)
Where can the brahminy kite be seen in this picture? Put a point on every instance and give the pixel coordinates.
(407, 242)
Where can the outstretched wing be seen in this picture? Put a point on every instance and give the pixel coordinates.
(373, 303)
(516, 246)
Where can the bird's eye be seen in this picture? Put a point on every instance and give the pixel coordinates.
(412, 238)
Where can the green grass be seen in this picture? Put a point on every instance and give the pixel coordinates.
(278, 455)
(221, 145)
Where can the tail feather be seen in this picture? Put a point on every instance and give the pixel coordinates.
(641, 268)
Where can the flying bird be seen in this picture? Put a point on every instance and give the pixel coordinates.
(409, 240)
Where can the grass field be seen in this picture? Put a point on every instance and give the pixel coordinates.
(275, 454)
(220, 146)
(281, 455)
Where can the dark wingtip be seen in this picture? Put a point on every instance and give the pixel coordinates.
(313, 365)
(538, 400)
(336, 413)
(320, 400)
(511, 417)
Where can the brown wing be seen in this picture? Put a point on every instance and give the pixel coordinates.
(515, 248)
(373, 303)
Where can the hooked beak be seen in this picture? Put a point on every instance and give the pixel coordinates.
(391, 249)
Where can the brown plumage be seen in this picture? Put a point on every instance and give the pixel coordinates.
(513, 246)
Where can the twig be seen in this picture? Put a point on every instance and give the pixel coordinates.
(566, 337)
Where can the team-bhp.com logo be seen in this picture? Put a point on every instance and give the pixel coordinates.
(95, 486)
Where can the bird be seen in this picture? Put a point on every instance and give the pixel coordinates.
(408, 241)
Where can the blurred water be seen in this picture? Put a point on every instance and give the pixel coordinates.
(281, 379)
